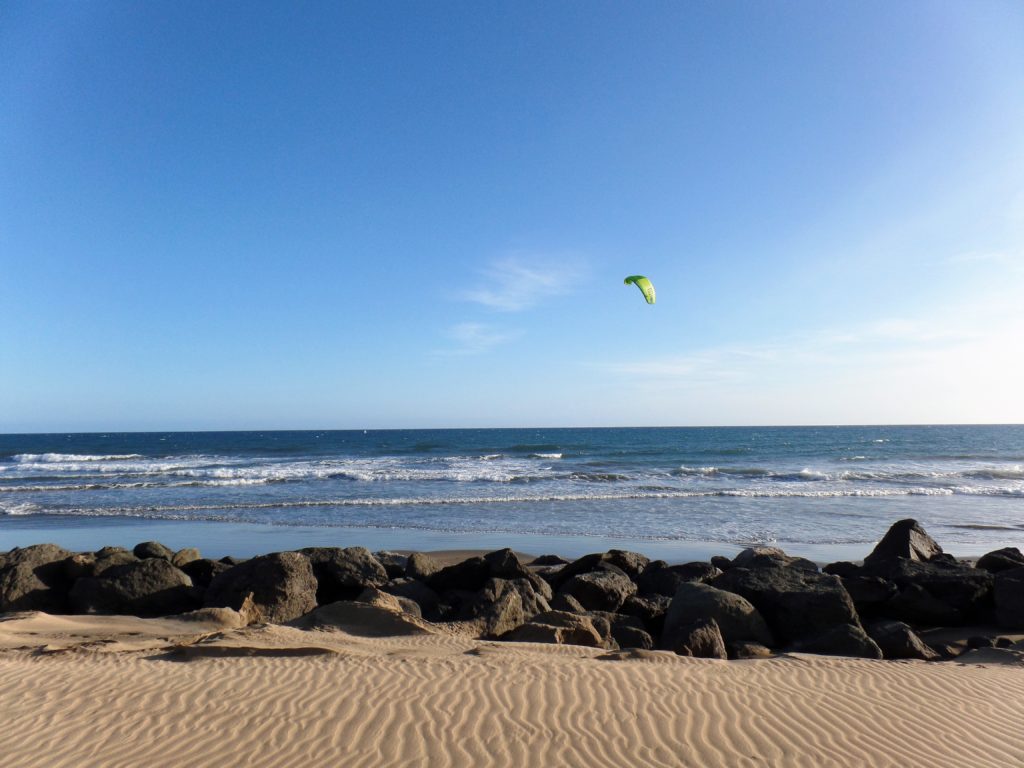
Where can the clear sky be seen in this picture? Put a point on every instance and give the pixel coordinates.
(416, 214)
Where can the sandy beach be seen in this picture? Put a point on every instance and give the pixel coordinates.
(106, 691)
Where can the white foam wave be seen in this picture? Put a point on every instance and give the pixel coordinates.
(56, 458)
(545, 455)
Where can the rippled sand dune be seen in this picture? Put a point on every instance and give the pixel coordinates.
(81, 691)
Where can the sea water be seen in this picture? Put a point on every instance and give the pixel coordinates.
(812, 489)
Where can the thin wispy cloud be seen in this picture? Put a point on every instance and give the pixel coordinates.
(959, 361)
(476, 338)
(517, 282)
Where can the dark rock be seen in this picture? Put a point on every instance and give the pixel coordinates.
(282, 584)
(620, 628)
(421, 567)
(651, 610)
(700, 638)
(394, 563)
(549, 560)
(736, 618)
(203, 570)
(411, 589)
(567, 603)
(604, 629)
(503, 615)
(963, 588)
(183, 556)
(898, 641)
(79, 566)
(558, 627)
(531, 602)
(148, 549)
(1005, 642)
(843, 640)
(770, 557)
(915, 605)
(1001, 560)
(341, 574)
(981, 641)
(1009, 598)
(721, 562)
(34, 579)
(112, 559)
(869, 593)
(504, 564)
(844, 569)
(232, 560)
(629, 563)
(646, 607)
(602, 590)
(112, 552)
(631, 637)
(469, 575)
(459, 605)
(660, 578)
(147, 587)
(905, 539)
(796, 604)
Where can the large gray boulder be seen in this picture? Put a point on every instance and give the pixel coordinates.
(603, 590)
(34, 579)
(149, 587)
(1009, 598)
(905, 539)
(796, 604)
(282, 585)
(341, 574)
(736, 618)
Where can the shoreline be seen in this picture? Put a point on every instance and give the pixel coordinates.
(247, 539)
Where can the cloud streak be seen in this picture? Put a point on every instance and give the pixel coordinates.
(516, 283)
(476, 338)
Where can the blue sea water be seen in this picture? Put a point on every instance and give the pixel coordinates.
(663, 490)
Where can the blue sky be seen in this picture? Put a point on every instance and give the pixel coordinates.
(399, 214)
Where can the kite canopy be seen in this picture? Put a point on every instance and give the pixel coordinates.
(643, 284)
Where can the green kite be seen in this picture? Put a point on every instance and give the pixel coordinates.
(643, 284)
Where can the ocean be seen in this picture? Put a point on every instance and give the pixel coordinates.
(827, 492)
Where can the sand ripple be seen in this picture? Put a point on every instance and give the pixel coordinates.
(241, 699)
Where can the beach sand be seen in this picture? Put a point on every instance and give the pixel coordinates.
(122, 691)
